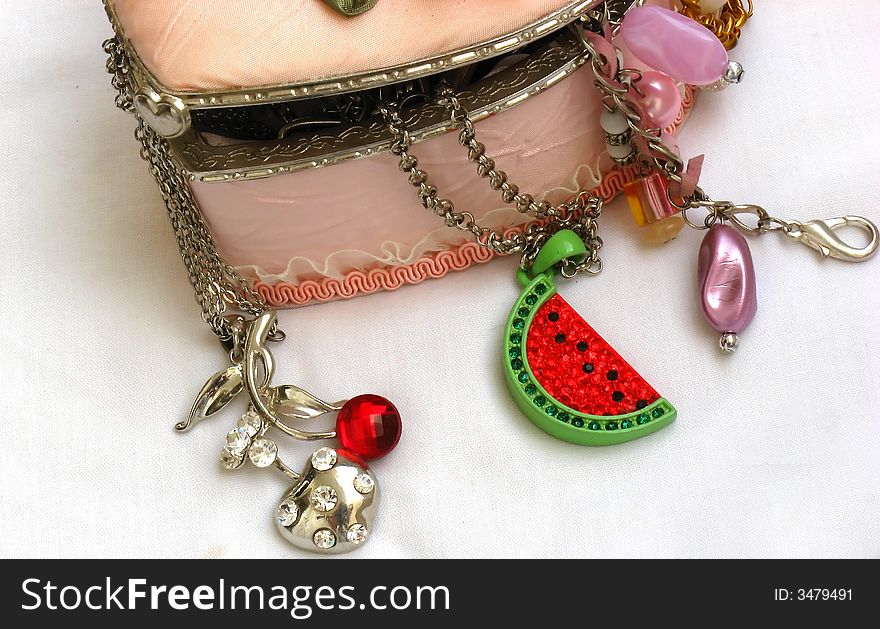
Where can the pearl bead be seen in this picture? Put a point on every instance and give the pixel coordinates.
(661, 100)
(726, 276)
(711, 6)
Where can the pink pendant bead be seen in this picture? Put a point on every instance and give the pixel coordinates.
(648, 200)
(727, 280)
(661, 100)
(674, 44)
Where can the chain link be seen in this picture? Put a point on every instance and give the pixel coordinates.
(218, 286)
(579, 215)
(119, 69)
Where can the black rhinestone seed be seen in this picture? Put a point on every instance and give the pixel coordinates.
(588, 367)
(553, 316)
(559, 338)
(612, 375)
(582, 346)
(617, 396)
(640, 404)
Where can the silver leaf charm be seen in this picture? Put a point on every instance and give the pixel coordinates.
(219, 390)
(294, 403)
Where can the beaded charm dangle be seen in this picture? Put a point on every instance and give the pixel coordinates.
(330, 507)
(565, 377)
(652, 210)
(727, 283)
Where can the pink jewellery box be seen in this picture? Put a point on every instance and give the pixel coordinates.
(264, 115)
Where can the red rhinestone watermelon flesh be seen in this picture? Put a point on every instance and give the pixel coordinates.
(568, 380)
(578, 368)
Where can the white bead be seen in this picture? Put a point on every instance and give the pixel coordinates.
(613, 122)
(711, 6)
(619, 151)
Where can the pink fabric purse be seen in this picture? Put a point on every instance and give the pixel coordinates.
(270, 108)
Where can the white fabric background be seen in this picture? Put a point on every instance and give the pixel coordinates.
(776, 451)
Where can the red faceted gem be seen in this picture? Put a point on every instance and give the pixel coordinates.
(369, 426)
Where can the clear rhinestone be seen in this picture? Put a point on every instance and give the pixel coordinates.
(323, 459)
(250, 422)
(263, 452)
(230, 460)
(364, 483)
(356, 533)
(237, 441)
(324, 539)
(324, 498)
(287, 512)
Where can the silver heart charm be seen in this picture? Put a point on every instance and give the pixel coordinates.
(331, 508)
(167, 115)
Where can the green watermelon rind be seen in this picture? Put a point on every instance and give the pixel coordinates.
(595, 430)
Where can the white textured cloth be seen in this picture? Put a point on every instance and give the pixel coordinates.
(776, 451)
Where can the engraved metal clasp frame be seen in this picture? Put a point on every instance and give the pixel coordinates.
(820, 235)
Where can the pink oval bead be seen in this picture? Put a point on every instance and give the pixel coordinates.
(661, 102)
(674, 44)
(727, 280)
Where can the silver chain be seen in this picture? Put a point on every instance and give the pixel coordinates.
(579, 215)
(218, 286)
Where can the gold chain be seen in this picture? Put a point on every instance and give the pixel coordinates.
(727, 24)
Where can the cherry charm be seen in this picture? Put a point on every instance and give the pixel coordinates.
(369, 426)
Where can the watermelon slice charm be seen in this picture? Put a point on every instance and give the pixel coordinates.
(565, 377)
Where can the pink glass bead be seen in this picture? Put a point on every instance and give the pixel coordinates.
(661, 100)
(674, 44)
(648, 200)
(727, 280)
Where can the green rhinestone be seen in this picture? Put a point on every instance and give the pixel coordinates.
(515, 352)
(523, 377)
(516, 364)
(595, 426)
(518, 324)
(541, 289)
(611, 426)
(540, 401)
(577, 422)
(523, 312)
(532, 300)
(563, 416)
(626, 423)
(551, 410)
(516, 338)
(657, 412)
(643, 419)
(530, 389)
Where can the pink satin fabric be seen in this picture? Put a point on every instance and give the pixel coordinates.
(363, 213)
(226, 44)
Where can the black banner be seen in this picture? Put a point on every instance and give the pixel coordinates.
(437, 593)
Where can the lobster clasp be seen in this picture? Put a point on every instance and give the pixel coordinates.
(820, 235)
